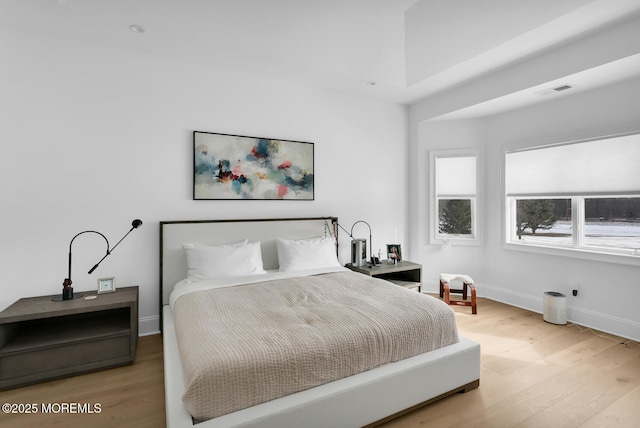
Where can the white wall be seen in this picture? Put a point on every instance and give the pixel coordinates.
(609, 292)
(446, 135)
(93, 138)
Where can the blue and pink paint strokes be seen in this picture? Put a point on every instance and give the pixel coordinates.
(232, 167)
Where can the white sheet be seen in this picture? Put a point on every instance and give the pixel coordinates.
(187, 286)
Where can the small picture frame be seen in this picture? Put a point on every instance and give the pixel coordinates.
(394, 252)
(106, 285)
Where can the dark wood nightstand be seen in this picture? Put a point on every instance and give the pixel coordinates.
(405, 274)
(41, 339)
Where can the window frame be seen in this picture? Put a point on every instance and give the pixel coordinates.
(578, 248)
(436, 237)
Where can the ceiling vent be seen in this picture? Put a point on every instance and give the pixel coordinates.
(555, 90)
(562, 88)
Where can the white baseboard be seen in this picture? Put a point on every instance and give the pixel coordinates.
(598, 321)
(148, 325)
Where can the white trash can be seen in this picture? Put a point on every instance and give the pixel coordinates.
(555, 307)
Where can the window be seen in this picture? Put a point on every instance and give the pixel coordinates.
(454, 178)
(582, 196)
(612, 223)
(544, 221)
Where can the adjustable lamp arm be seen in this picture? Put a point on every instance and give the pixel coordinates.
(67, 289)
(345, 230)
(134, 225)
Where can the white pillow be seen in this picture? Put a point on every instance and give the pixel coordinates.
(303, 254)
(215, 261)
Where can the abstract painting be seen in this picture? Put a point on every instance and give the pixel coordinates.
(237, 167)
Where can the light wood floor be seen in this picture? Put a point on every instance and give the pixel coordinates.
(129, 396)
(534, 374)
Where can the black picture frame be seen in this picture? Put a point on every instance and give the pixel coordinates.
(230, 167)
(395, 250)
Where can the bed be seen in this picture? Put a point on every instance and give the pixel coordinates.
(380, 392)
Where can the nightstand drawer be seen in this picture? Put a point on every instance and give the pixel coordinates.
(63, 359)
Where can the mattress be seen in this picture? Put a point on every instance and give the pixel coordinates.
(251, 340)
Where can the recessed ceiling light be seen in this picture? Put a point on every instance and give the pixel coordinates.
(136, 28)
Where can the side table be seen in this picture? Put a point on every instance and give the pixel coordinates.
(41, 339)
(405, 274)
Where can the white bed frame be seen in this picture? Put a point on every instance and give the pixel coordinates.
(364, 399)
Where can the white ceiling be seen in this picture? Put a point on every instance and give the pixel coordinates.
(394, 50)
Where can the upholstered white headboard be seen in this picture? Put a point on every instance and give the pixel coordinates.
(173, 265)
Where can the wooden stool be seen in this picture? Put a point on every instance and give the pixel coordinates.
(467, 282)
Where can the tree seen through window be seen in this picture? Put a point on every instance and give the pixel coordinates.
(455, 216)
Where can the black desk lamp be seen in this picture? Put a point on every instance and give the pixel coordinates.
(67, 289)
(356, 248)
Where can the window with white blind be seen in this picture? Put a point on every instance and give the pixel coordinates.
(454, 189)
(580, 196)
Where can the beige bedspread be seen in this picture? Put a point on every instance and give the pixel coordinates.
(248, 344)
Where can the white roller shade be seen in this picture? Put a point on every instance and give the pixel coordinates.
(610, 165)
(456, 176)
